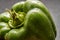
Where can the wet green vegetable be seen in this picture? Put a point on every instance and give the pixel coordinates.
(27, 20)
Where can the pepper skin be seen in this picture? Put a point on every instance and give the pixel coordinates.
(41, 25)
(4, 17)
(30, 4)
(4, 28)
(30, 20)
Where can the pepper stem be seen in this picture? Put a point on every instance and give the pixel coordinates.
(17, 19)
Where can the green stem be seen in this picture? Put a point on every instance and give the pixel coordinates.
(17, 19)
(9, 12)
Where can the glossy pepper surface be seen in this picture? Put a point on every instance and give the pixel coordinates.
(28, 20)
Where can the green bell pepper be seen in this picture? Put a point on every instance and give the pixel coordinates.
(28, 20)
(30, 4)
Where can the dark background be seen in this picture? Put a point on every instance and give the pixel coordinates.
(52, 5)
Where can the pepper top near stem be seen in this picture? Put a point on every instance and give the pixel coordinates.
(17, 19)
